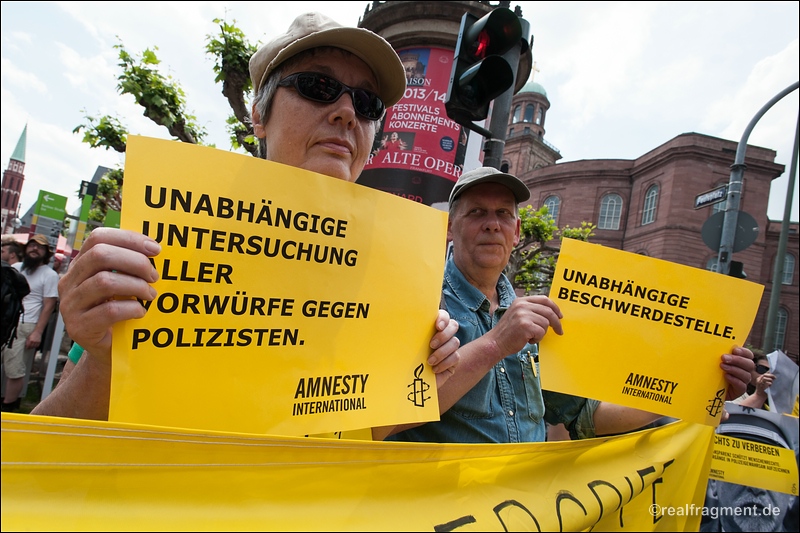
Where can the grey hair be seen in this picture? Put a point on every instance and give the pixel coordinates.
(263, 103)
(263, 100)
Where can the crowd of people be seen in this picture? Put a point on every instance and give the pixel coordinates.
(320, 91)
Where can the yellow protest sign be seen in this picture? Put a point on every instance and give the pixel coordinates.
(89, 475)
(289, 302)
(754, 464)
(644, 332)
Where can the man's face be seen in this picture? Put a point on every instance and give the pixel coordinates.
(484, 229)
(330, 138)
(34, 253)
(8, 256)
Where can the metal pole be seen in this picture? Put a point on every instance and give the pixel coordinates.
(55, 350)
(780, 257)
(735, 188)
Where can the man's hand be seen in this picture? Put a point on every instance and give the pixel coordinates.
(444, 344)
(738, 366)
(764, 382)
(526, 321)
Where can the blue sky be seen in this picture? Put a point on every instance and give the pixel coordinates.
(622, 77)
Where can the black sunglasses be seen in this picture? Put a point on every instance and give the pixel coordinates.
(762, 369)
(322, 88)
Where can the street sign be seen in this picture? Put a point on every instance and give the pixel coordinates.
(711, 197)
(49, 216)
(746, 231)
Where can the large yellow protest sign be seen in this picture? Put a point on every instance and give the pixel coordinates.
(62, 474)
(644, 332)
(288, 302)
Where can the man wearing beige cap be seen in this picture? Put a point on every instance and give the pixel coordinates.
(495, 395)
(38, 306)
(320, 91)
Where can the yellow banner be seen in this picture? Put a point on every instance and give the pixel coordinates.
(754, 464)
(62, 474)
(644, 332)
(307, 299)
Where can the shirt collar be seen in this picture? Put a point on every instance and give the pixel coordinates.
(471, 296)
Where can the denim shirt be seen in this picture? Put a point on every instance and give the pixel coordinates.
(507, 404)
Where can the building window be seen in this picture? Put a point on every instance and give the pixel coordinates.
(528, 113)
(780, 328)
(553, 204)
(788, 269)
(712, 264)
(539, 115)
(504, 167)
(717, 207)
(610, 212)
(517, 113)
(650, 202)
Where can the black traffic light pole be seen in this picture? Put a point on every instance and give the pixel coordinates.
(501, 107)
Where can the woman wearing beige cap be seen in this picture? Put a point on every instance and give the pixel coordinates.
(320, 92)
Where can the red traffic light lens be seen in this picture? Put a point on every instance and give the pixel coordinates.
(482, 44)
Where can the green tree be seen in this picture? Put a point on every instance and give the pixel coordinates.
(109, 195)
(533, 260)
(164, 102)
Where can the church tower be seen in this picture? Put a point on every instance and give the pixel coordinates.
(526, 149)
(13, 178)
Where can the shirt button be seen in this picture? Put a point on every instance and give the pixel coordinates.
(503, 370)
(511, 413)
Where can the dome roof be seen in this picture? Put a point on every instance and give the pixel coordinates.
(533, 87)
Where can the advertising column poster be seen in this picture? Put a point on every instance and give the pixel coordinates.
(419, 151)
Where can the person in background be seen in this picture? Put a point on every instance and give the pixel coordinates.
(58, 263)
(761, 379)
(38, 306)
(320, 91)
(495, 395)
(13, 251)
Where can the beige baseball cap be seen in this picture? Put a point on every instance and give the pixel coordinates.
(312, 30)
(490, 175)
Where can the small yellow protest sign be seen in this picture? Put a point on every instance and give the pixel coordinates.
(289, 302)
(645, 332)
(754, 464)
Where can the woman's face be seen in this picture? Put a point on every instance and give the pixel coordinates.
(330, 138)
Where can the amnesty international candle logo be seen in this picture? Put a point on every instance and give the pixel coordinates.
(292, 292)
(715, 406)
(419, 388)
(646, 314)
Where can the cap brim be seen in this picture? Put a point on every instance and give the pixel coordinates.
(374, 50)
(518, 189)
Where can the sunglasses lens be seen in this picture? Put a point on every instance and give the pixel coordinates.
(762, 369)
(367, 104)
(325, 89)
(319, 88)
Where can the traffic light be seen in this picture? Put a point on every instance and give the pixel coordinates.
(480, 73)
